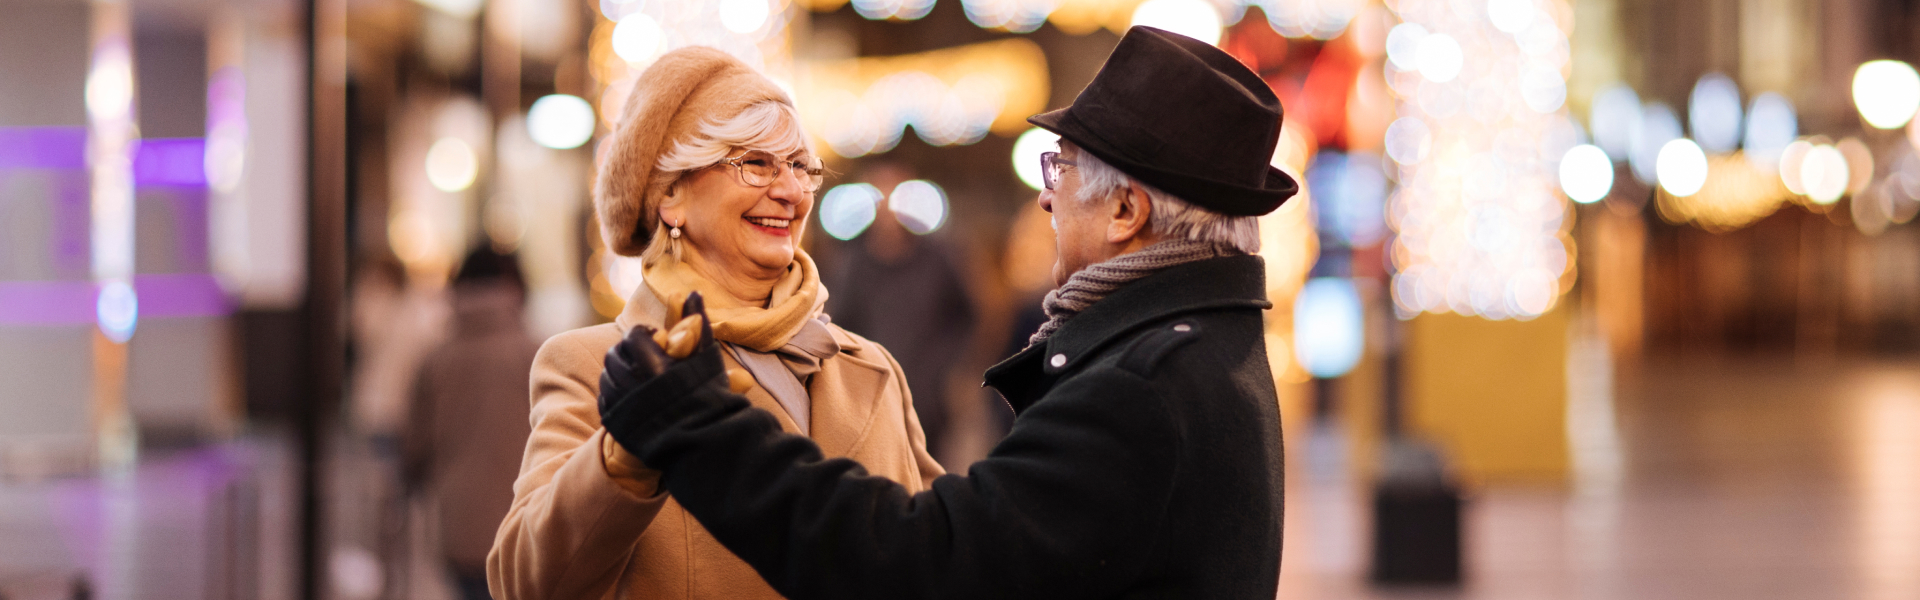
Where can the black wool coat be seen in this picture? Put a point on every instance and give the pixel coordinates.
(1145, 462)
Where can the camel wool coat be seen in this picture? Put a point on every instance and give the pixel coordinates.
(574, 532)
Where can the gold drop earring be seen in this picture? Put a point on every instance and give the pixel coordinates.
(673, 241)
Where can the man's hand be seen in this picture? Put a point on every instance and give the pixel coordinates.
(649, 368)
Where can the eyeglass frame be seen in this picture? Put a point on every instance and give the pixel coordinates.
(815, 179)
(1049, 168)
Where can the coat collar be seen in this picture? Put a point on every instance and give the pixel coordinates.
(841, 397)
(1212, 284)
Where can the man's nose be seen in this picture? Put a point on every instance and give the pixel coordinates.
(1046, 200)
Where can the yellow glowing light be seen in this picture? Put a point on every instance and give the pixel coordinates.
(1824, 174)
(1791, 159)
(1887, 93)
(951, 96)
(451, 165)
(1735, 195)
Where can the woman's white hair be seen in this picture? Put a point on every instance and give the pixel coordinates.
(767, 126)
(1171, 217)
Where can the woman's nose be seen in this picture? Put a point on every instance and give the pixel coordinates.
(786, 186)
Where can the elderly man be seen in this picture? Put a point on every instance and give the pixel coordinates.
(1145, 461)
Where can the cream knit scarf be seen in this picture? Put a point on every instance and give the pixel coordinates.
(1095, 282)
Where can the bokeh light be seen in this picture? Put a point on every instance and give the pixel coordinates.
(451, 165)
(118, 311)
(109, 88)
(1026, 155)
(848, 209)
(1439, 57)
(1196, 19)
(920, 205)
(1658, 125)
(1403, 45)
(1823, 173)
(1408, 140)
(637, 38)
(1682, 167)
(1328, 326)
(1792, 158)
(1350, 193)
(1615, 116)
(1586, 174)
(1887, 93)
(1713, 111)
(560, 121)
(904, 10)
(1859, 164)
(1771, 126)
(743, 16)
(1482, 132)
(1543, 89)
(1511, 16)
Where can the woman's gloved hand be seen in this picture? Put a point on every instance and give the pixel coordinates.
(649, 368)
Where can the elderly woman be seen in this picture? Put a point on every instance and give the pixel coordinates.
(709, 179)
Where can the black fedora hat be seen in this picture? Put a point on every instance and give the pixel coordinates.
(1184, 117)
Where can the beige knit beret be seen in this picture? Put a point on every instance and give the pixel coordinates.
(685, 89)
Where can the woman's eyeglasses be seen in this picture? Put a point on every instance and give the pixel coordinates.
(759, 169)
(1050, 167)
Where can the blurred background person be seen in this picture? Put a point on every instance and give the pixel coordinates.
(904, 289)
(468, 423)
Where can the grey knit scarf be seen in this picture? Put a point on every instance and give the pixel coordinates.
(1095, 282)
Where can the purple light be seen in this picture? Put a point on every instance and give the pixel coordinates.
(43, 147)
(182, 295)
(46, 302)
(176, 161)
(74, 302)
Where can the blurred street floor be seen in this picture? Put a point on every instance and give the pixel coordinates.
(214, 521)
(1752, 479)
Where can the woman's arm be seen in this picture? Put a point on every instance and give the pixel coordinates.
(580, 502)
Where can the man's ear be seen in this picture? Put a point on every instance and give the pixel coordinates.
(1131, 211)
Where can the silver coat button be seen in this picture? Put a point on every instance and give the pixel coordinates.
(1058, 360)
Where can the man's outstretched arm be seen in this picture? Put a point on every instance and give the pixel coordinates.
(1070, 505)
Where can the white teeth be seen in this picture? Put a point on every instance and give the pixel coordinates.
(770, 222)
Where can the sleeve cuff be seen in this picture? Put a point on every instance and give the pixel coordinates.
(627, 471)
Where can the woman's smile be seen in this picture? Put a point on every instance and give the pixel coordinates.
(771, 225)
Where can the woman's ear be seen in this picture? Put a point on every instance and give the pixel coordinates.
(673, 209)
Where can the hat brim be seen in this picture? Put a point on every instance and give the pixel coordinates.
(1225, 197)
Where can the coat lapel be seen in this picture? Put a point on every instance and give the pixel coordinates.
(845, 393)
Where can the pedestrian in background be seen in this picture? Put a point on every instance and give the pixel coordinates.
(905, 291)
(468, 423)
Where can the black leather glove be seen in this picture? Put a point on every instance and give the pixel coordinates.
(641, 377)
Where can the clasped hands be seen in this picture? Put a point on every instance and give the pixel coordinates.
(650, 368)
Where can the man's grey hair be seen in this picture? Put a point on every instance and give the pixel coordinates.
(1171, 217)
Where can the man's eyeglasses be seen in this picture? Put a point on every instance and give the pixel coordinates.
(1050, 166)
(759, 169)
